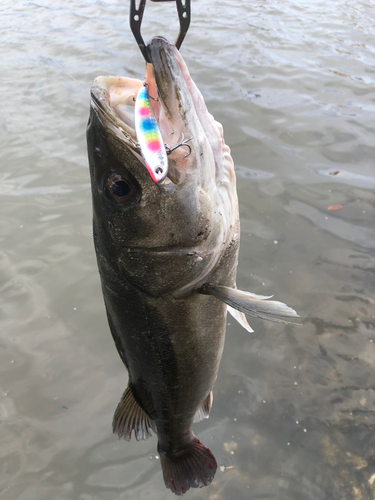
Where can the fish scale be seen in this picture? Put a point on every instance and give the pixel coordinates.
(149, 136)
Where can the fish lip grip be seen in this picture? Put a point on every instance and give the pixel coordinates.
(149, 136)
(136, 16)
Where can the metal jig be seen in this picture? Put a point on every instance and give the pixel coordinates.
(136, 15)
(180, 144)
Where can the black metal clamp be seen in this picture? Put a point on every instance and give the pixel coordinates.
(136, 15)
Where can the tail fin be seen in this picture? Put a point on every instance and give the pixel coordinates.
(192, 467)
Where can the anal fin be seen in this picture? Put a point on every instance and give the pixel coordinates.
(204, 410)
(130, 416)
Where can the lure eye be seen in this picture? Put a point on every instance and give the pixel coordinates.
(122, 189)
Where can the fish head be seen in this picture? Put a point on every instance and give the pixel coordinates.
(168, 236)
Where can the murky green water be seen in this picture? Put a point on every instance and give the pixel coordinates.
(293, 83)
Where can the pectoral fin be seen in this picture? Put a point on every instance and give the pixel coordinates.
(130, 416)
(252, 304)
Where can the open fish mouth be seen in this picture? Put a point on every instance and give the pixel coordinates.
(178, 107)
(114, 100)
(114, 96)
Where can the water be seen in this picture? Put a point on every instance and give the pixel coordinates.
(293, 416)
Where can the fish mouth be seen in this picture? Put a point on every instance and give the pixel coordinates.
(176, 102)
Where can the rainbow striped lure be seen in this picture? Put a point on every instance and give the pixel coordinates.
(149, 136)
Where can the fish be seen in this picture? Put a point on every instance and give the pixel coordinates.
(167, 253)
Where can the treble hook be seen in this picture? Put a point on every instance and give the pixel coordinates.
(180, 144)
(136, 15)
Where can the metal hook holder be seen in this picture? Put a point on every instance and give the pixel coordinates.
(136, 16)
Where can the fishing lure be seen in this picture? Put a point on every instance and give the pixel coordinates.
(149, 136)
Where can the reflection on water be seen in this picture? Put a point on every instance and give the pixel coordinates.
(293, 415)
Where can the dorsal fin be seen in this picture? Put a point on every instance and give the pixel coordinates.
(129, 416)
(204, 410)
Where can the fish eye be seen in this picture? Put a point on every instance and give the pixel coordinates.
(122, 189)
